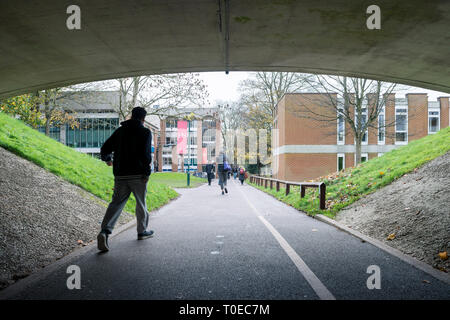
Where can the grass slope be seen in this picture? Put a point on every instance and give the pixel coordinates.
(82, 170)
(176, 179)
(345, 187)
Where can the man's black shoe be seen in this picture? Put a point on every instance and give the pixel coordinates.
(102, 242)
(145, 235)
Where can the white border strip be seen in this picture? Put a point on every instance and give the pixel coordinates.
(319, 288)
(332, 148)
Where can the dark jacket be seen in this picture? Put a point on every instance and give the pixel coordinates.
(221, 159)
(210, 169)
(131, 144)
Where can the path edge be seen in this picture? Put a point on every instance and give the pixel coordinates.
(35, 277)
(442, 276)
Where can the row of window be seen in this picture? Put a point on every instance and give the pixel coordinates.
(168, 161)
(401, 125)
(91, 133)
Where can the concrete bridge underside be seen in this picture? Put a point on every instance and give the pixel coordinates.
(124, 38)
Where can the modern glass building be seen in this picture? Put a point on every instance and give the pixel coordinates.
(91, 133)
(97, 120)
(96, 117)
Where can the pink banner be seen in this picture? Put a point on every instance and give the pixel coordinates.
(205, 156)
(182, 137)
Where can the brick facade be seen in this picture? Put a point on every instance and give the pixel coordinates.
(305, 148)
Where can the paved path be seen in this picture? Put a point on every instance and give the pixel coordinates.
(244, 245)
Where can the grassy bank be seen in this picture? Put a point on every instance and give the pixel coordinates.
(82, 170)
(345, 187)
(176, 179)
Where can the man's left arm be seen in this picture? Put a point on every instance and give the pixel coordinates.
(148, 150)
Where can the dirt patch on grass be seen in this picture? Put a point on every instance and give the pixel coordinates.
(42, 217)
(414, 210)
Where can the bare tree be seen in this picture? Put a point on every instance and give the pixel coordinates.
(265, 89)
(260, 95)
(161, 95)
(342, 100)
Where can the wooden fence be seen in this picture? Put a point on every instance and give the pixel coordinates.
(262, 181)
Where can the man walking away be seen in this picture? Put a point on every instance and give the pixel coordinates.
(210, 170)
(222, 169)
(128, 150)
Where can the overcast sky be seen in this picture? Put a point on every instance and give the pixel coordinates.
(224, 87)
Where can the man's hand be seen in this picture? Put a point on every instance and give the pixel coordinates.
(109, 163)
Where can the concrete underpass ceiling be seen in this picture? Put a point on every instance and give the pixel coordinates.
(134, 37)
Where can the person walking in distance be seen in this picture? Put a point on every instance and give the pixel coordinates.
(128, 150)
(241, 175)
(222, 169)
(210, 171)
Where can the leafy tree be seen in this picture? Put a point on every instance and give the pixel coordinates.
(23, 107)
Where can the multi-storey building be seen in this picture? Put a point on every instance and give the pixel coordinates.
(305, 148)
(202, 140)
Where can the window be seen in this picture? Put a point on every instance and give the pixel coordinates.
(361, 122)
(381, 127)
(401, 126)
(91, 132)
(433, 121)
(167, 161)
(364, 157)
(171, 124)
(341, 129)
(170, 141)
(340, 161)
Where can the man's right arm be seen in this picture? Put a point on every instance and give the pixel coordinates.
(107, 149)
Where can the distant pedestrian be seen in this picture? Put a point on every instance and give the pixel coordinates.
(128, 150)
(222, 169)
(210, 171)
(235, 172)
(242, 175)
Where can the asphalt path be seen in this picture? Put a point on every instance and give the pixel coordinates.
(242, 245)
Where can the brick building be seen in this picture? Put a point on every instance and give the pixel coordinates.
(204, 129)
(305, 148)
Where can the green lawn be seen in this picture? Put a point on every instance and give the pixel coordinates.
(346, 187)
(176, 179)
(82, 170)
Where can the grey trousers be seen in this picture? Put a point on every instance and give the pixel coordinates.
(122, 190)
(223, 177)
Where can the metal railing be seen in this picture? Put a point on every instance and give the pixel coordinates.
(260, 181)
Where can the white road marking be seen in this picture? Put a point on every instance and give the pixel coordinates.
(319, 288)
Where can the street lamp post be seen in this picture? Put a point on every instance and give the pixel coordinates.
(189, 153)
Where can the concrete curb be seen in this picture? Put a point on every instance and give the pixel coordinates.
(22, 284)
(442, 276)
